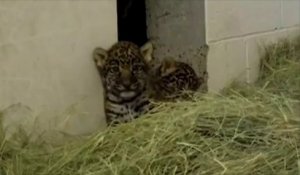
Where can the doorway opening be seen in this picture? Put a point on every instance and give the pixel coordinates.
(132, 25)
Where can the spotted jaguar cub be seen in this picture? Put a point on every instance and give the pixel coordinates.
(123, 70)
(172, 78)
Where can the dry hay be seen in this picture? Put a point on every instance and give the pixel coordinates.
(245, 130)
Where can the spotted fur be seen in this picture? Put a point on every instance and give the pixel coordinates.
(171, 78)
(123, 69)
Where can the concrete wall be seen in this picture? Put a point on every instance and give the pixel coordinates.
(46, 63)
(235, 30)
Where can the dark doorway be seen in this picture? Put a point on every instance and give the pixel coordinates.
(132, 21)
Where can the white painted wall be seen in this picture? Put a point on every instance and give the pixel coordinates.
(235, 30)
(45, 58)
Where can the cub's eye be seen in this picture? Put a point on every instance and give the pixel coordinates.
(114, 69)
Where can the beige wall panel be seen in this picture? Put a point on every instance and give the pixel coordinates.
(46, 62)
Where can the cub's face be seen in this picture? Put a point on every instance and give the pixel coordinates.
(171, 77)
(124, 67)
(164, 76)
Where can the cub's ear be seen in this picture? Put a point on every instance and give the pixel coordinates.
(100, 56)
(168, 65)
(147, 51)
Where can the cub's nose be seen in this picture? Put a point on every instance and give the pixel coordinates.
(134, 86)
(130, 83)
(127, 78)
(126, 82)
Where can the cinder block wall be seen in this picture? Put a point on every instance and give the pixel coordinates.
(45, 58)
(235, 30)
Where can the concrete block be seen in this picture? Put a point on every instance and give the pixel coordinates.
(177, 29)
(226, 62)
(231, 18)
(290, 10)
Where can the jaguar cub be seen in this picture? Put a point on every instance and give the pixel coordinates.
(171, 78)
(123, 69)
